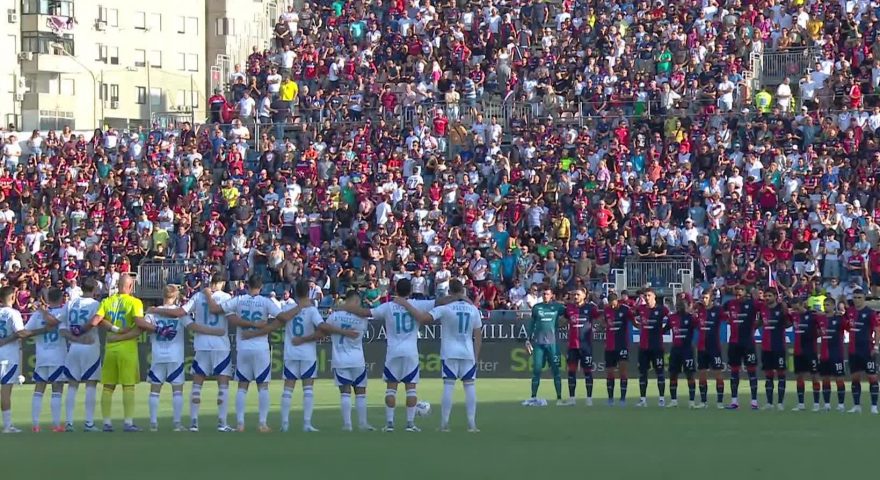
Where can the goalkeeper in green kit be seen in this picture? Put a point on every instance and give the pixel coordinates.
(542, 331)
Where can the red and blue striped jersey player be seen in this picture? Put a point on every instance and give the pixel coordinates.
(710, 317)
(743, 314)
(683, 326)
(580, 315)
(864, 331)
(618, 322)
(774, 321)
(806, 359)
(651, 320)
(833, 326)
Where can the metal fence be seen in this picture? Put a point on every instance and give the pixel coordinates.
(152, 277)
(772, 66)
(667, 275)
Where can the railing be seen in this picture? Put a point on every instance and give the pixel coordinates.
(771, 67)
(152, 277)
(664, 274)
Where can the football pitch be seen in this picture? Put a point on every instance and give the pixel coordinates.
(516, 442)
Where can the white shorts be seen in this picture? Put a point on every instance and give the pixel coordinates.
(253, 366)
(83, 366)
(50, 374)
(459, 369)
(401, 370)
(300, 369)
(9, 371)
(212, 363)
(354, 376)
(166, 372)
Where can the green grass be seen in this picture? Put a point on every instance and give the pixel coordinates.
(516, 442)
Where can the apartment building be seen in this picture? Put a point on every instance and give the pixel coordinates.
(93, 63)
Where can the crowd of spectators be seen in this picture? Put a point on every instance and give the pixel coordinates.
(359, 148)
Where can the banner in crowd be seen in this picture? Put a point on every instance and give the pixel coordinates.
(503, 353)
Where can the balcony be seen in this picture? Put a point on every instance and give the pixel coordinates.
(47, 62)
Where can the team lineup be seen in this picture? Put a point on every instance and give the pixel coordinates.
(68, 351)
(820, 350)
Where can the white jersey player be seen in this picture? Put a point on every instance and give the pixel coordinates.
(83, 361)
(253, 361)
(167, 341)
(303, 326)
(349, 366)
(51, 351)
(11, 332)
(402, 356)
(213, 356)
(460, 343)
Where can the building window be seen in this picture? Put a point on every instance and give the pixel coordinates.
(109, 16)
(38, 42)
(140, 20)
(181, 24)
(181, 98)
(192, 62)
(156, 58)
(225, 26)
(192, 25)
(155, 22)
(108, 55)
(156, 97)
(114, 93)
(140, 58)
(61, 8)
(68, 86)
(181, 62)
(141, 95)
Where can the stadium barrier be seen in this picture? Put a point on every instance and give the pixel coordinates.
(667, 275)
(772, 66)
(153, 276)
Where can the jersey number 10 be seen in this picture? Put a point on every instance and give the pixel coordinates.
(403, 322)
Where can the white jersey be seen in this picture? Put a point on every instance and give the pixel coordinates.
(10, 324)
(458, 321)
(51, 346)
(80, 312)
(165, 350)
(401, 328)
(251, 309)
(197, 306)
(304, 324)
(347, 352)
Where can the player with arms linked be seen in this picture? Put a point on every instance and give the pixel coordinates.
(459, 349)
(580, 315)
(349, 365)
(546, 319)
(833, 325)
(618, 318)
(402, 356)
(683, 326)
(83, 360)
(303, 326)
(51, 350)
(651, 319)
(167, 342)
(709, 318)
(11, 332)
(213, 355)
(774, 321)
(806, 361)
(742, 313)
(864, 332)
